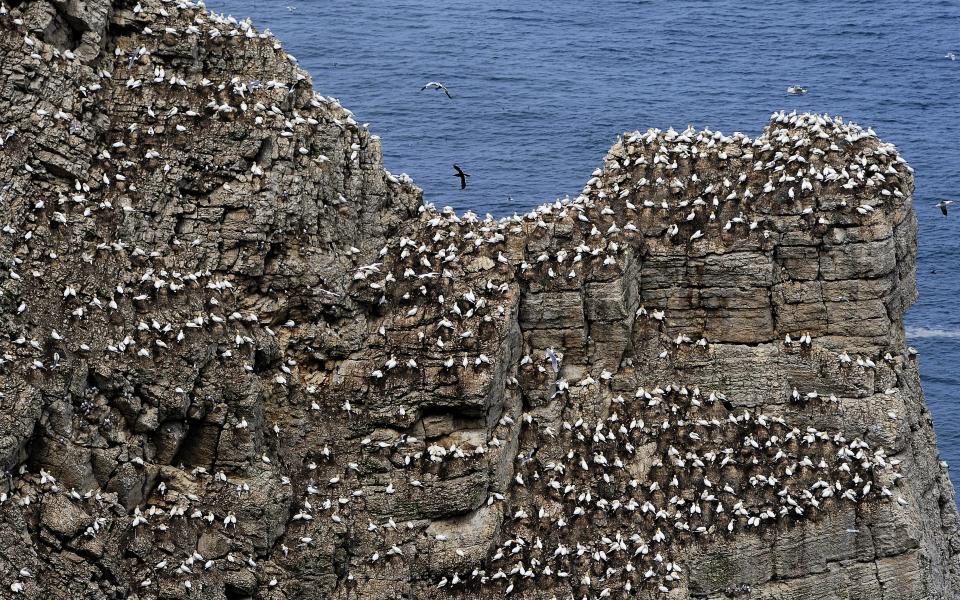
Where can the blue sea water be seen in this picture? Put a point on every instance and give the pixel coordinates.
(542, 89)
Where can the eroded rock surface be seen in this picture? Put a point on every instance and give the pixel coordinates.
(242, 360)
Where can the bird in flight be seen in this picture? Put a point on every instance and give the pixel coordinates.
(943, 204)
(436, 85)
(554, 362)
(458, 172)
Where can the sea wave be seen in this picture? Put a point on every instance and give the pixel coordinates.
(932, 332)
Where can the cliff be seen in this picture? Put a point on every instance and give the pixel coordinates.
(242, 360)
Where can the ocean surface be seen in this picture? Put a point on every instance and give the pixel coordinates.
(542, 89)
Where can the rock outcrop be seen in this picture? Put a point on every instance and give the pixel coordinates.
(242, 360)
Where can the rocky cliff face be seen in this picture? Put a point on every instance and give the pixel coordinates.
(241, 360)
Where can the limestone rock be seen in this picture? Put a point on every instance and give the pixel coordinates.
(64, 518)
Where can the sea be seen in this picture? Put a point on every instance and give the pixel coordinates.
(542, 89)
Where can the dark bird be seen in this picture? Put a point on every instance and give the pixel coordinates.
(458, 172)
(943, 204)
(436, 85)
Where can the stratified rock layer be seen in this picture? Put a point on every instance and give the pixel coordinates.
(242, 360)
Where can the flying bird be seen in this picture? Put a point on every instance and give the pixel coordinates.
(943, 204)
(458, 172)
(552, 355)
(436, 85)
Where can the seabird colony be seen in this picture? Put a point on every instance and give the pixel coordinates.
(579, 509)
(602, 499)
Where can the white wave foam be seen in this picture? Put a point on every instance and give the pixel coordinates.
(931, 332)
